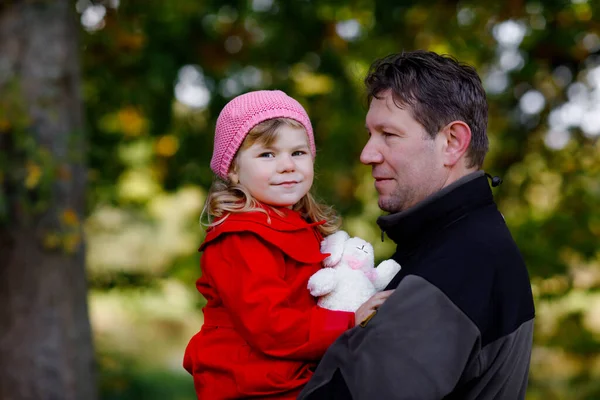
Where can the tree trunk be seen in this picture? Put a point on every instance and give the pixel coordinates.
(46, 349)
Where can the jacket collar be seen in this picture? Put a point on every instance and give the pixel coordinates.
(288, 232)
(284, 219)
(411, 227)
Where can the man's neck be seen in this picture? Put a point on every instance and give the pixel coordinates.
(409, 227)
(458, 172)
(446, 189)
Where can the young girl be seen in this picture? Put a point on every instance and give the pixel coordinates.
(263, 332)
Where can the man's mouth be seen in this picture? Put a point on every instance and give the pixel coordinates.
(380, 182)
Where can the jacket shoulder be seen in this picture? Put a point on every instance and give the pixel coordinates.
(478, 265)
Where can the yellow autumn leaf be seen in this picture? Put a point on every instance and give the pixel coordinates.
(583, 11)
(69, 217)
(309, 83)
(137, 185)
(439, 46)
(34, 173)
(167, 145)
(132, 122)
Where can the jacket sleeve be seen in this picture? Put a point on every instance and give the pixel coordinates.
(250, 280)
(416, 347)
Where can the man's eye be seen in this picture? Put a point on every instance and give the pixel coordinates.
(386, 134)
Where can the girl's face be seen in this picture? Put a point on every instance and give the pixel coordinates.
(277, 174)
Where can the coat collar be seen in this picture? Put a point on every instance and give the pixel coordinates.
(289, 232)
(283, 219)
(411, 227)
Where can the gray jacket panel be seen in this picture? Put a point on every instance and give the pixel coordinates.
(433, 351)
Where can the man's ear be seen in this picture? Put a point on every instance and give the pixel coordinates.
(457, 137)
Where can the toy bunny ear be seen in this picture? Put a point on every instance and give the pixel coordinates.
(334, 245)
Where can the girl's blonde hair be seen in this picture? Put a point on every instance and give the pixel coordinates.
(226, 197)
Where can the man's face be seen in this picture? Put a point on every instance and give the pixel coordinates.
(407, 164)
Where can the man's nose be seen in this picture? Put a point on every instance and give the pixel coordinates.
(370, 154)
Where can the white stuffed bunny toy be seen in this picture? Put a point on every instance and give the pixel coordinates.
(349, 277)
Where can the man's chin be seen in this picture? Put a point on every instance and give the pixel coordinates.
(385, 205)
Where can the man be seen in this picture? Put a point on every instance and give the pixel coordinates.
(459, 323)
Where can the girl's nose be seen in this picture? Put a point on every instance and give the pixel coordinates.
(286, 163)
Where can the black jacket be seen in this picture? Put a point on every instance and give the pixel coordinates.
(460, 322)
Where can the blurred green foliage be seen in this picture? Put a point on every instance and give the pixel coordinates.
(156, 75)
(123, 379)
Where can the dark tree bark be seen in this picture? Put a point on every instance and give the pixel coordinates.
(46, 349)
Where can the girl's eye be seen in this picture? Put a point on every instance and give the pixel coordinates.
(299, 153)
(266, 155)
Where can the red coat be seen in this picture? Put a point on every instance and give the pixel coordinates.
(263, 332)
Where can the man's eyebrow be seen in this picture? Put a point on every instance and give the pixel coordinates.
(379, 127)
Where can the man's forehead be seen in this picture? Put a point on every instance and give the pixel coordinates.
(387, 100)
(382, 115)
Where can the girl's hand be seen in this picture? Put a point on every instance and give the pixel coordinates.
(369, 307)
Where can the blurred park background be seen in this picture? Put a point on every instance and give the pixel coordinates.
(107, 110)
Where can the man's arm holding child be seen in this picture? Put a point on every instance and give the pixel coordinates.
(416, 347)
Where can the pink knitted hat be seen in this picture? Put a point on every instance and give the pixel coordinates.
(242, 114)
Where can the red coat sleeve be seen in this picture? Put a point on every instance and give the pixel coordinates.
(249, 277)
